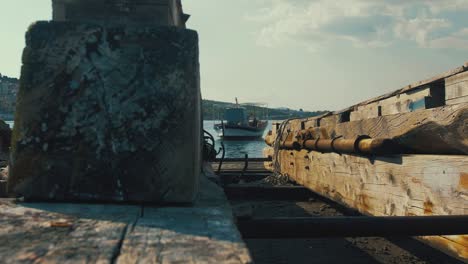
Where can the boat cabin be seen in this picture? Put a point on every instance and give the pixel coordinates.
(236, 116)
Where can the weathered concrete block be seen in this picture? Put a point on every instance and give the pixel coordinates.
(107, 113)
(149, 12)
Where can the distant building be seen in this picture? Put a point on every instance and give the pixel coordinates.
(150, 12)
(8, 92)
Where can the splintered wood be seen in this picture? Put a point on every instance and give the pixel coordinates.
(81, 233)
(429, 117)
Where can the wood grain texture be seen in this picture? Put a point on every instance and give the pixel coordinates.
(456, 89)
(400, 103)
(409, 88)
(391, 103)
(388, 186)
(205, 233)
(184, 235)
(441, 130)
(400, 184)
(458, 100)
(80, 233)
(62, 233)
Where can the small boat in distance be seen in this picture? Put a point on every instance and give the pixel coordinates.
(239, 125)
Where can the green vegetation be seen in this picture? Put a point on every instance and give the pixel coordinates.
(214, 110)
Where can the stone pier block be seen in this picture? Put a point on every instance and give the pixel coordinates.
(136, 12)
(108, 113)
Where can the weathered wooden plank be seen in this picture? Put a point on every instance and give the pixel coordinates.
(239, 166)
(184, 235)
(80, 233)
(444, 127)
(400, 103)
(436, 78)
(458, 78)
(410, 88)
(62, 233)
(456, 88)
(394, 185)
(205, 233)
(459, 100)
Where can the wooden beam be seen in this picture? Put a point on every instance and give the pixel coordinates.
(204, 233)
(59, 233)
(444, 127)
(410, 88)
(407, 99)
(456, 89)
(400, 185)
(106, 233)
(184, 235)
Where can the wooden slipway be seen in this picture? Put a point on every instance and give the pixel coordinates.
(429, 118)
(104, 233)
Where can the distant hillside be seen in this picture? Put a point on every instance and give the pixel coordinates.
(214, 110)
(8, 91)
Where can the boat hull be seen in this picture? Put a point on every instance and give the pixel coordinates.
(240, 133)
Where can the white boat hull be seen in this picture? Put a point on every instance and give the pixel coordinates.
(240, 133)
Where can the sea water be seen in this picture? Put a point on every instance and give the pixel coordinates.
(238, 148)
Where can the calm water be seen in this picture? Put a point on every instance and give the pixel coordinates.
(234, 148)
(238, 148)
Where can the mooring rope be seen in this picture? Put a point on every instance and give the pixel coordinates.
(276, 145)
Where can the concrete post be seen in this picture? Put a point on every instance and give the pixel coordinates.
(148, 12)
(108, 111)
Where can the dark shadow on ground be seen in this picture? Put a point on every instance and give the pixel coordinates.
(329, 250)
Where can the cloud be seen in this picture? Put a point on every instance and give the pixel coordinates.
(419, 29)
(363, 23)
(457, 40)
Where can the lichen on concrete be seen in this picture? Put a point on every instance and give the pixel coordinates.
(108, 113)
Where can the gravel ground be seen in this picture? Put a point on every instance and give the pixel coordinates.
(329, 250)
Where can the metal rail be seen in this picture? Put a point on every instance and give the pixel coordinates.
(287, 193)
(243, 159)
(359, 226)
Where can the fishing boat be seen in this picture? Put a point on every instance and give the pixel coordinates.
(237, 124)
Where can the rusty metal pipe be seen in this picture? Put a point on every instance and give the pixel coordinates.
(361, 145)
(324, 145)
(287, 144)
(342, 145)
(293, 145)
(378, 146)
(310, 144)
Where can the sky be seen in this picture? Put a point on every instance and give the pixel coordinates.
(309, 54)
